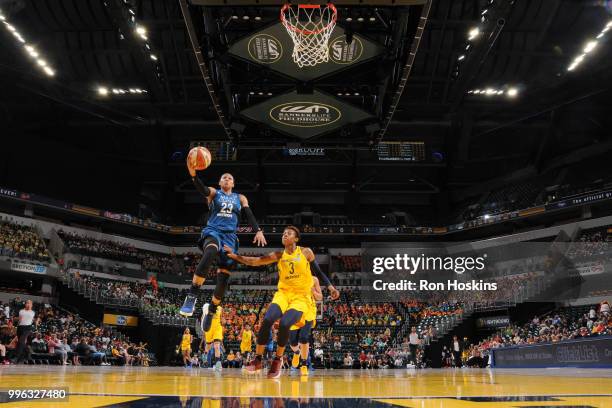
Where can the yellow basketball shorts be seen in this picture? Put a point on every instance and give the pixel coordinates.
(246, 347)
(286, 300)
(215, 333)
(309, 316)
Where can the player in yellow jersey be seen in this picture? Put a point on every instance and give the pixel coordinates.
(246, 342)
(299, 336)
(186, 347)
(292, 300)
(214, 336)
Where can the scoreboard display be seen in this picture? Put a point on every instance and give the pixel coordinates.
(401, 151)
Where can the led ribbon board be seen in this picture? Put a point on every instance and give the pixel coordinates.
(272, 47)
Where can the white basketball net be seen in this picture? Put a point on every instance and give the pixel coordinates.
(310, 27)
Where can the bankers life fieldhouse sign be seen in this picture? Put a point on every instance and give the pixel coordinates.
(273, 47)
(305, 115)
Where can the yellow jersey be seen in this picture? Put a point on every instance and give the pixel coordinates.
(294, 272)
(217, 317)
(247, 337)
(186, 342)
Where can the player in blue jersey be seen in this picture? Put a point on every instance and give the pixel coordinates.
(225, 207)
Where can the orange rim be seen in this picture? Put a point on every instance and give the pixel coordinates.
(291, 27)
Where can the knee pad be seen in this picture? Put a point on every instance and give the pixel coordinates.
(294, 338)
(304, 334)
(209, 257)
(290, 318)
(222, 280)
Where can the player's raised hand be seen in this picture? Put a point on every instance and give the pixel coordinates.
(192, 171)
(259, 239)
(333, 292)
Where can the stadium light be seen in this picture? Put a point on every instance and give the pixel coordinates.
(104, 91)
(461, 57)
(30, 50)
(154, 57)
(473, 33)
(512, 92)
(590, 46)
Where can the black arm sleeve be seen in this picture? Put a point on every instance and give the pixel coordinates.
(251, 218)
(204, 190)
(314, 267)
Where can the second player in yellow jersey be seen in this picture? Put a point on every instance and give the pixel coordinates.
(292, 300)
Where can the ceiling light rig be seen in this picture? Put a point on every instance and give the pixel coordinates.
(105, 91)
(142, 33)
(589, 47)
(509, 91)
(29, 49)
(472, 36)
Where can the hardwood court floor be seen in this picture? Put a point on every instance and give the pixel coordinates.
(164, 386)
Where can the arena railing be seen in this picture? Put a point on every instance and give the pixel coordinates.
(593, 196)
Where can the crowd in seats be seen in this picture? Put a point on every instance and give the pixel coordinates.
(121, 251)
(21, 241)
(62, 337)
(504, 200)
(378, 314)
(178, 264)
(348, 263)
(563, 324)
(591, 243)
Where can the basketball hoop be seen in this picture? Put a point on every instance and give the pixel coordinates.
(310, 26)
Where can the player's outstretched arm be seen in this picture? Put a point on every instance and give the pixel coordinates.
(317, 293)
(267, 259)
(316, 269)
(259, 239)
(208, 192)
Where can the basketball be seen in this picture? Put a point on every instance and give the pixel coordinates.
(199, 158)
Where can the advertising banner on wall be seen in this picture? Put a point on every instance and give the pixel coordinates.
(120, 320)
(588, 352)
(26, 267)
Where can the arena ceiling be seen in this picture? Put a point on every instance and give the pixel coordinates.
(492, 106)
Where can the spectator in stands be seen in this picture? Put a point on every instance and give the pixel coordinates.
(348, 361)
(97, 356)
(56, 347)
(604, 308)
(83, 350)
(318, 355)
